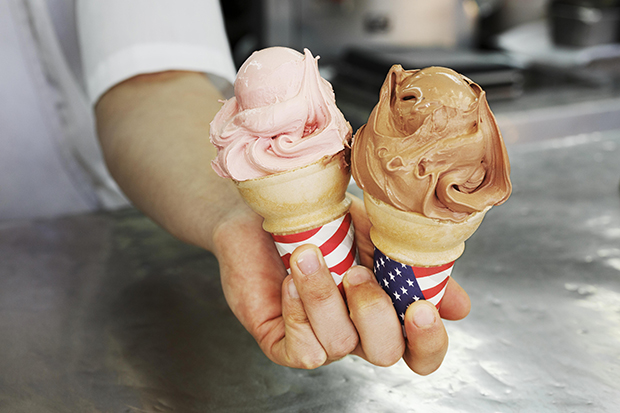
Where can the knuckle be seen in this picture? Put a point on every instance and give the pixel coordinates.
(303, 352)
(376, 305)
(312, 360)
(389, 357)
(321, 295)
(343, 345)
(295, 316)
(385, 346)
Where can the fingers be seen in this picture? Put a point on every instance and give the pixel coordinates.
(300, 347)
(380, 332)
(455, 304)
(326, 311)
(427, 340)
(372, 312)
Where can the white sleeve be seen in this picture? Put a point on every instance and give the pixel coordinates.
(120, 39)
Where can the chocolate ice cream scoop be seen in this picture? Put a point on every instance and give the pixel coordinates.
(432, 146)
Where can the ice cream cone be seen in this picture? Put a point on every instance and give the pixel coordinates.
(414, 239)
(431, 162)
(414, 255)
(307, 205)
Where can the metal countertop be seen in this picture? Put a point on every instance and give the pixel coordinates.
(108, 313)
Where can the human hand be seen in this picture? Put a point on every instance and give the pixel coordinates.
(165, 115)
(302, 320)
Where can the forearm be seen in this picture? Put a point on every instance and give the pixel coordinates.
(154, 134)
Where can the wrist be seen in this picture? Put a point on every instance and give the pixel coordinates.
(232, 220)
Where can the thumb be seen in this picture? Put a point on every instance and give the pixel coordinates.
(427, 340)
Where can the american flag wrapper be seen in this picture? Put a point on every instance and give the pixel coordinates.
(336, 240)
(406, 284)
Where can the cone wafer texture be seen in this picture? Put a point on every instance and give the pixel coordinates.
(414, 239)
(301, 199)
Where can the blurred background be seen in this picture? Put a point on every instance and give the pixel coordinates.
(550, 69)
(558, 58)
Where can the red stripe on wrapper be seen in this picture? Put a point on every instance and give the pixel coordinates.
(286, 260)
(338, 236)
(347, 263)
(426, 271)
(336, 240)
(291, 238)
(433, 291)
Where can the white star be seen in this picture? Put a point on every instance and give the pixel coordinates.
(381, 262)
(410, 283)
(385, 281)
(404, 290)
(404, 265)
(416, 298)
(392, 277)
(402, 315)
(398, 272)
(387, 258)
(397, 296)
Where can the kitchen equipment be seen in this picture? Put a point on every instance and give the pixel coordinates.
(583, 23)
(329, 26)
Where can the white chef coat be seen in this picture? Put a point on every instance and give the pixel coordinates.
(50, 161)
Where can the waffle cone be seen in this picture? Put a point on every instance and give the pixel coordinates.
(414, 239)
(301, 199)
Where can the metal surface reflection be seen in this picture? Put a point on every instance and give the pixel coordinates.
(107, 313)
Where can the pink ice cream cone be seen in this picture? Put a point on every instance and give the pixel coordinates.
(285, 144)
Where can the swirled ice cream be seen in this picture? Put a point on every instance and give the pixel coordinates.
(283, 116)
(432, 146)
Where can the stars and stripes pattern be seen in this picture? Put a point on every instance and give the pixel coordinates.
(406, 284)
(336, 240)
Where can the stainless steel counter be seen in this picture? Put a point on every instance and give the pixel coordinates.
(107, 313)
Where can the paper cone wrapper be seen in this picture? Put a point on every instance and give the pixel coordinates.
(414, 255)
(307, 205)
(406, 284)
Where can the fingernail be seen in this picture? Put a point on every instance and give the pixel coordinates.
(424, 316)
(358, 275)
(292, 289)
(308, 262)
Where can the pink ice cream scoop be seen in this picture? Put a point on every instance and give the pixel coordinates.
(283, 116)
